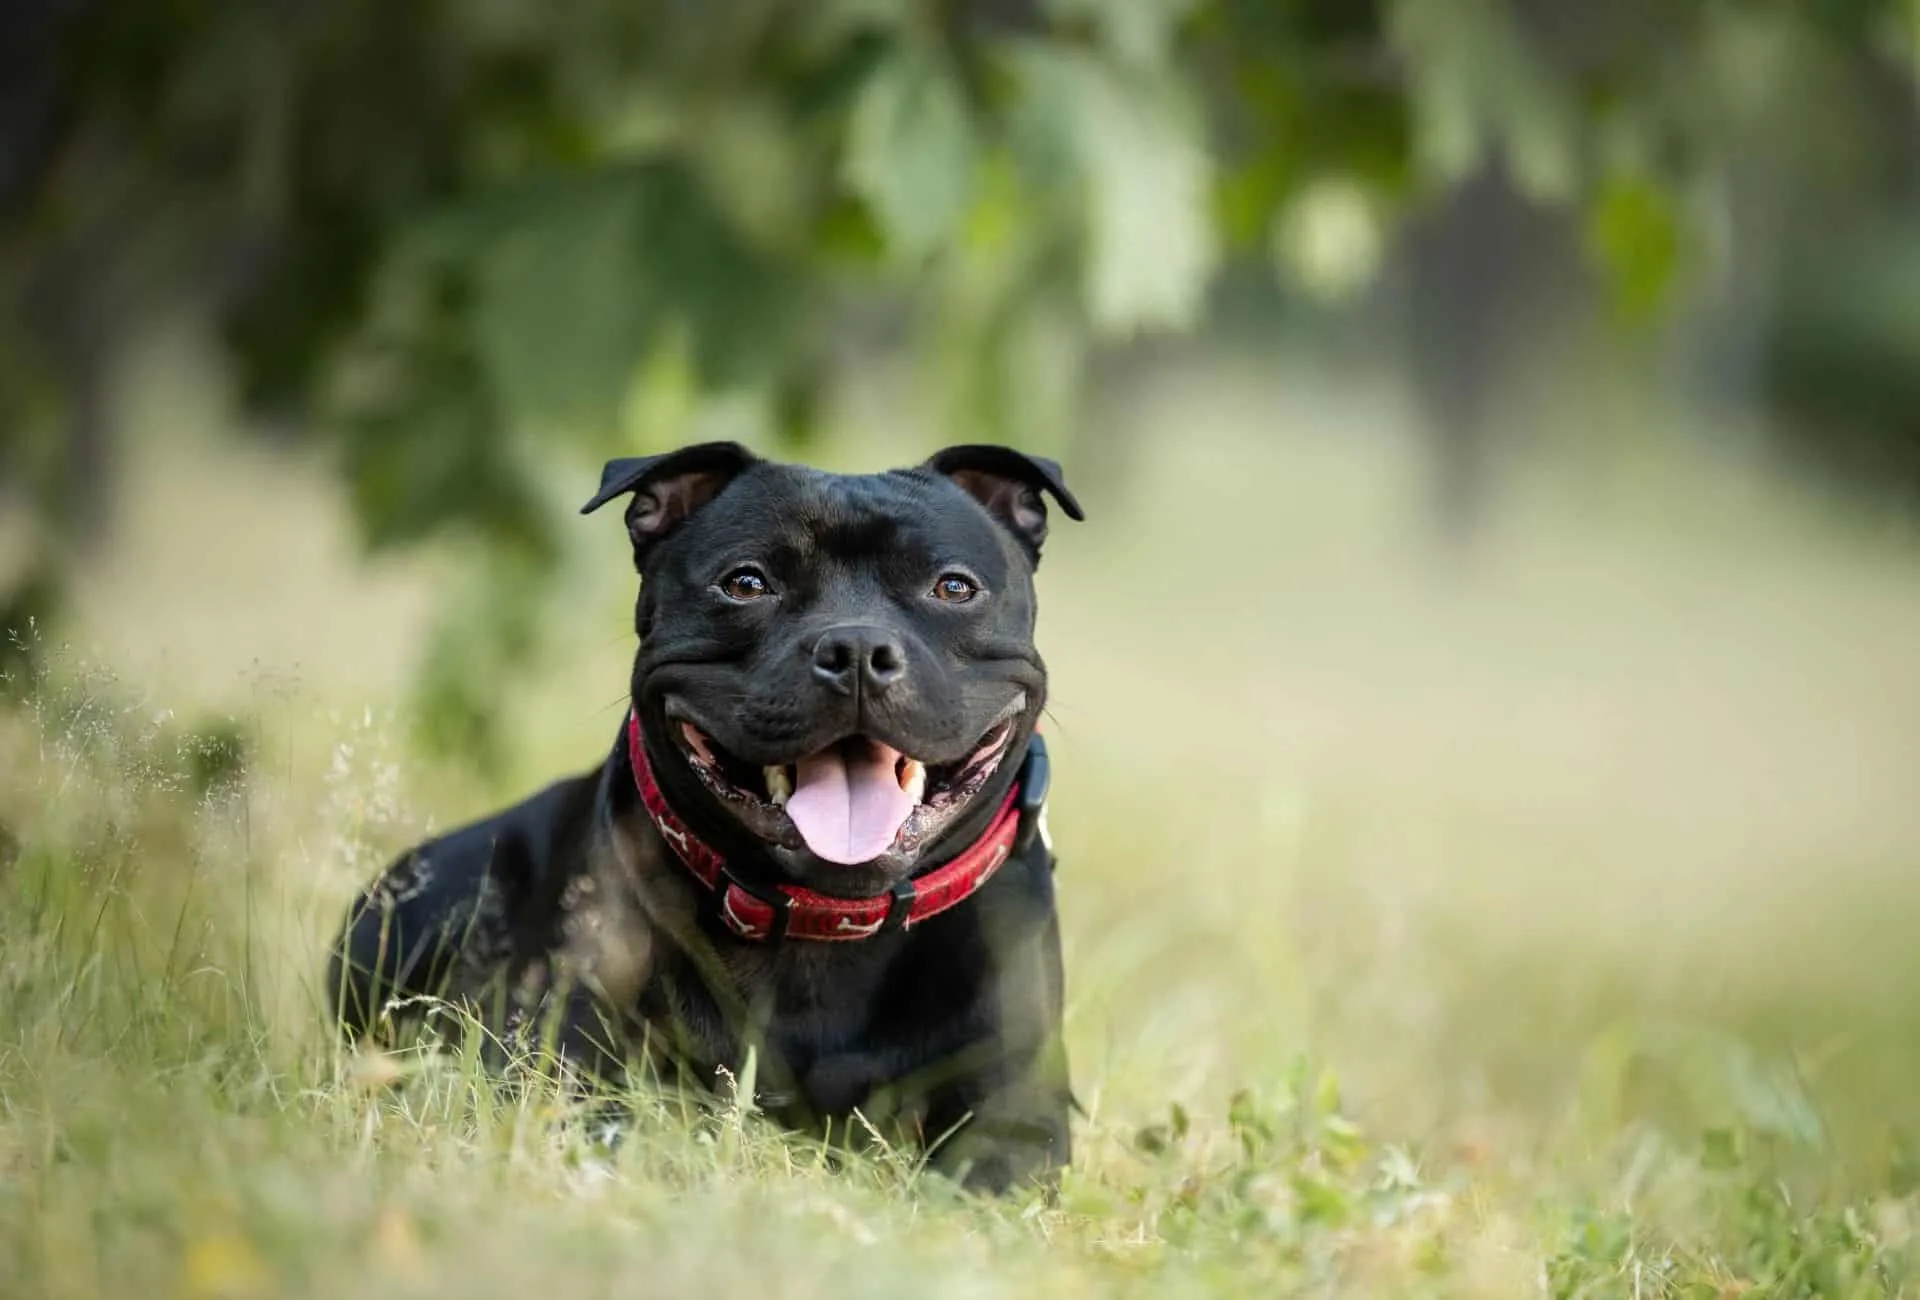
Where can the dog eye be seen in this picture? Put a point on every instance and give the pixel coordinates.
(955, 588)
(745, 583)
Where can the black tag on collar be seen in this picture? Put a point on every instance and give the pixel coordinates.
(1036, 775)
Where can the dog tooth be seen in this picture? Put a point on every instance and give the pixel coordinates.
(779, 787)
(915, 782)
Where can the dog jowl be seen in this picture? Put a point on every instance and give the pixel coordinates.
(816, 838)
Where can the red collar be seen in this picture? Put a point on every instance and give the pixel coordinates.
(772, 912)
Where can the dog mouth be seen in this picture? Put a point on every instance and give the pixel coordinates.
(850, 802)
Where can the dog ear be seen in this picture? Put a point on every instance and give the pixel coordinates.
(1009, 483)
(668, 488)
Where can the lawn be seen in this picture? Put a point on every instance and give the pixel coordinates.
(1541, 924)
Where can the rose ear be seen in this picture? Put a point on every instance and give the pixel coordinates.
(1009, 484)
(668, 488)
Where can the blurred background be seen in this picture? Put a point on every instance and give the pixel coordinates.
(1493, 660)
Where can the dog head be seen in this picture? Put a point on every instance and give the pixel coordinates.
(836, 673)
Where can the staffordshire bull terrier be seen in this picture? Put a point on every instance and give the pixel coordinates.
(819, 837)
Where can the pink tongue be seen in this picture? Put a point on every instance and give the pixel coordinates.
(848, 803)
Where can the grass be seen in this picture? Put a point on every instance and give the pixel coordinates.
(174, 1116)
(1544, 928)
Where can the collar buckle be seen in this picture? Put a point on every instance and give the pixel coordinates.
(905, 894)
(1036, 774)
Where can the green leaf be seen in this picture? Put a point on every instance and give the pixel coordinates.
(1138, 147)
(1137, 31)
(742, 309)
(1318, 1199)
(563, 305)
(911, 152)
(1439, 46)
(425, 449)
(1475, 79)
(1248, 1123)
(579, 279)
(1634, 234)
(751, 163)
(1540, 142)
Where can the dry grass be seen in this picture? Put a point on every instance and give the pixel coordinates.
(1585, 870)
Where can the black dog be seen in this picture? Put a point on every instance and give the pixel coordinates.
(819, 837)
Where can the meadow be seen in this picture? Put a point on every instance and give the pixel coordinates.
(1533, 922)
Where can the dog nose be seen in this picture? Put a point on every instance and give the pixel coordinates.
(859, 659)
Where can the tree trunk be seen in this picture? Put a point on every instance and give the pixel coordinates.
(1464, 266)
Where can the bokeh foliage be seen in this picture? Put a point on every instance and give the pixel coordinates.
(448, 238)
